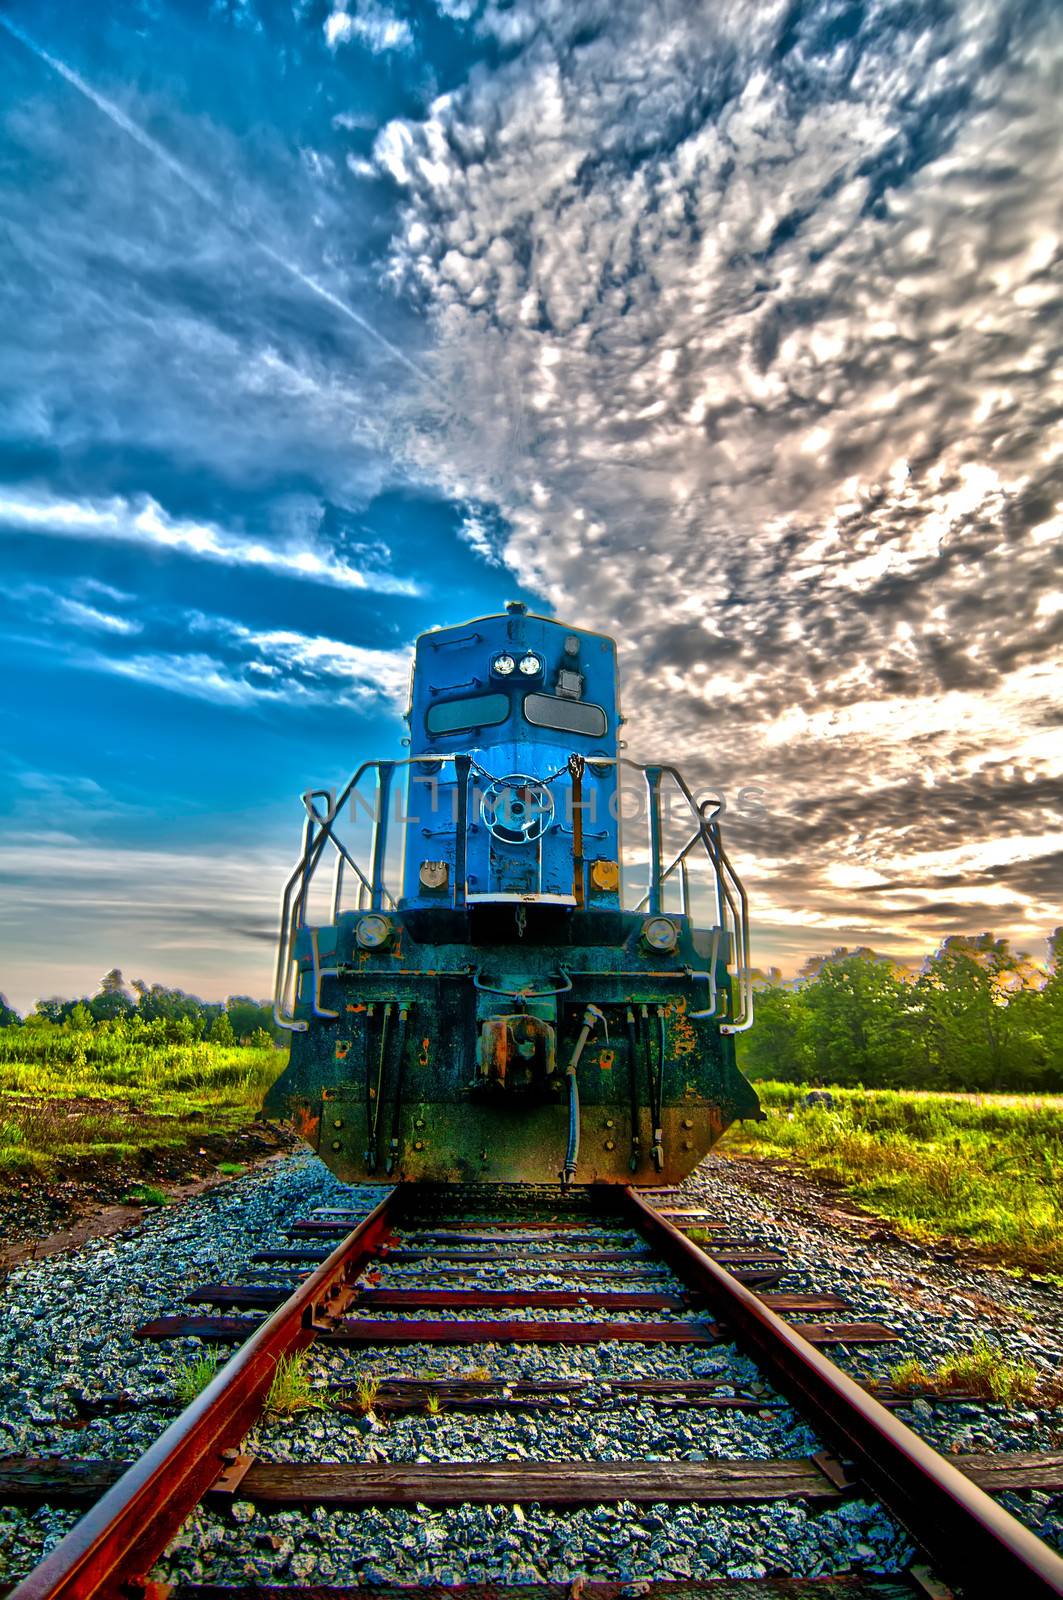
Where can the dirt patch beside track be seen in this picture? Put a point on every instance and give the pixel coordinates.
(46, 1215)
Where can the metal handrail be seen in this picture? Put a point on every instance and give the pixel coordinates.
(728, 882)
(318, 832)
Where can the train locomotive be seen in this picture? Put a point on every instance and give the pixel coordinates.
(481, 986)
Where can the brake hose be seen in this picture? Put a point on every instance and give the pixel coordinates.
(590, 1017)
(396, 1112)
(633, 1091)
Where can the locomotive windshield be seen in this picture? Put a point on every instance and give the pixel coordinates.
(570, 716)
(475, 711)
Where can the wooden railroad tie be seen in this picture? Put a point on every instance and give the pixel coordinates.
(263, 1297)
(49, 1480)
(376, 1331)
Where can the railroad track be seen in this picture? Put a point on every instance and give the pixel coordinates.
(361, 1286)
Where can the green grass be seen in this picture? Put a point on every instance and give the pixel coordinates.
(366, 1390)
(193, 1377)
(291, 1390)
(102, 1096)
(982, 1170)
(146, 1194)
(231, 1169)
(983, 1370)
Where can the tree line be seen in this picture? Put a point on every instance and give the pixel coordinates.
(974, 1015)
(180, 1017)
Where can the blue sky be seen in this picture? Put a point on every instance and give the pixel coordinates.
(731, 329)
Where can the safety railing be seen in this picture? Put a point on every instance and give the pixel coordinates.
(324, 810)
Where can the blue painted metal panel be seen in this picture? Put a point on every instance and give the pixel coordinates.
(456, 704)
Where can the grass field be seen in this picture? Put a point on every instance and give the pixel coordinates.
(983, 1170)
(102, 1096)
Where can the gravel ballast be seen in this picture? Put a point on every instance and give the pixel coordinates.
(68, 1322)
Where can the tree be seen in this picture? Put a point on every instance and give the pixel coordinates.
(777, 1044)
(1049, 1015)
(55, 1008)
(171, 1005)
(968, 993)
(221, 1031)
(859, 1018)
(9, 1017)
(113, 999)
(246, 1015)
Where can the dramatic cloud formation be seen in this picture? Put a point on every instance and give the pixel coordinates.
(732, 329)
(147, 524)
(778, 290)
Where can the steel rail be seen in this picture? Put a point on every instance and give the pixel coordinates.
(116, 1544)
(973, 1538)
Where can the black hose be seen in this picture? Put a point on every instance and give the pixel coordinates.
(370, 1014)
(572, 1153)
(591, 1017)
(663, 1050)
(656, 1086)
(400, 1081)
(633, 1090)
(375, 1098)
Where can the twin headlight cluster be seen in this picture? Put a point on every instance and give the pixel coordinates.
(504, 665)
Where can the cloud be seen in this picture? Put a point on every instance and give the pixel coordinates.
(480, 531)
(73, 613)
(281, 663)
(195, 309)
(744, 326)
(143, 909)
(371, 24)
(278, 667)
(145, 523)
(755, 322)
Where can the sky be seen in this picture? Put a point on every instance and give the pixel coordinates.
(730, 329)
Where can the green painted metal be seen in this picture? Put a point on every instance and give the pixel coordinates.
(446, 1058)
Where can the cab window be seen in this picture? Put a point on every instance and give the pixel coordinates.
(568, 716)
(475, 711)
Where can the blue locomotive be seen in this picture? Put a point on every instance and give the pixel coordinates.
(530, 956)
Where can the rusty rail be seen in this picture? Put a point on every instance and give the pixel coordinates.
(111, 1551)
(115, 1544)
(960, 1526)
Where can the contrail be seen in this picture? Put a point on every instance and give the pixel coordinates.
(203, 192)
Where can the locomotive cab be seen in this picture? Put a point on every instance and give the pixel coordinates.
(535, 699)
(498, 995)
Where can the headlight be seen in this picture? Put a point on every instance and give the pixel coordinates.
(373, 932)
(530, 664)
(660, 933)
(503, 665)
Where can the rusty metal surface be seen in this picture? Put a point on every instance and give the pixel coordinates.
(510, 1140)
(127, 1530)
(972, 1537)
(471, 1094)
